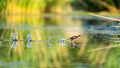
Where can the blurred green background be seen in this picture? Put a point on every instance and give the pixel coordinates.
(58, 19)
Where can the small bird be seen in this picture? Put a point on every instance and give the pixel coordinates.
(72, 39)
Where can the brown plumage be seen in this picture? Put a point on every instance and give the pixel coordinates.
(74, 37)
(72, 40)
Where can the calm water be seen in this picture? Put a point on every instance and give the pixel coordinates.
(49, 52)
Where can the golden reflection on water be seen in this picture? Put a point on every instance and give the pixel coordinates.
(39, 55)
(42, 55)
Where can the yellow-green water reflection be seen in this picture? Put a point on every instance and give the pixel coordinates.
(25, 20)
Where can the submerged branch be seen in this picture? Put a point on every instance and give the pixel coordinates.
(109, 18)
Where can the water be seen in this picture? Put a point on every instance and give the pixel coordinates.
(43, 42)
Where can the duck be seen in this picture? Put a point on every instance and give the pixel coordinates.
(73, 40)
(74, 37)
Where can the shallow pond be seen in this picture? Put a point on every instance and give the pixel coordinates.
(44, 42)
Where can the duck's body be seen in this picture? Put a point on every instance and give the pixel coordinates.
(73, 40)
(74, 37)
